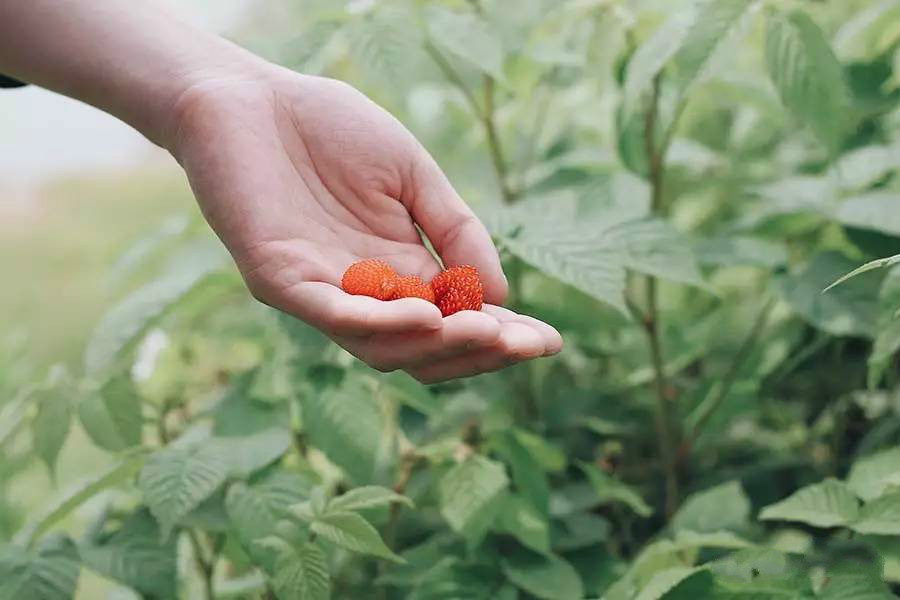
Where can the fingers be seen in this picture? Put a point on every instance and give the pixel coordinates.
(552, 339)
(457, 234)
(462, 333)
(517, 342)
(337, 313)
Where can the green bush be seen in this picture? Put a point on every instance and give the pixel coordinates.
(673, 186)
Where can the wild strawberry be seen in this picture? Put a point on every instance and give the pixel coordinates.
(412, 286)
(458, 288)
(371, 277)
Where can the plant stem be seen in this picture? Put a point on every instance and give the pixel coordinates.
(664, 421)
(721, 391)
(454, 77)
(490, 129)
(204, 565)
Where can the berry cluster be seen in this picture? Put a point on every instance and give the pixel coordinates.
(453, 290)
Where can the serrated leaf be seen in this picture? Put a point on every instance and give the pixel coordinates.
(254, 509)
(49, 573)
(855, 581)
(723, 507)
(863, 167)
(126, 467)
(299, 572)
(135, 555)
(351, 531)
(527, 475)
(127, 321)
(826, 504)
(469, 495)
(880, 516)
(50, 426)
(369, 496)
(807, 74)
(246, 454)
(876, 211)
(732, 251)
(666, 580)
(654, 247)
(687, 539)
(870, 476)
(716, 25)
(176, 480)
(112, 415)
(347, 424)
(849, 310)
(384, 42)
(544, 576)
(450, 579)
(586, 260)
(467, 36)
(611, 490)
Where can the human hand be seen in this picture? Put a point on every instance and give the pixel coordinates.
(301, 176)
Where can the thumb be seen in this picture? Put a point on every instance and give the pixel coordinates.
(454, 230)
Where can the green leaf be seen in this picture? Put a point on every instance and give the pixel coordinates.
(123, 326)
(254, 509)
(880, 516)
(861, 168)
(527, 474)
(876, 211)
(385, 42)
(611, 490)
(112, 415)
(871, 476)
(520, 519)
(869, 266)
(49, 573)
(543, 576)
(176, 480)
(587, 260)
(716, 26)
(826, 504)
(298, 572)
(853, 581)
(369, 496)
(651, 57)
(850, 310)
(666, 580)
(470, 495)
(347, 424)
(687, 539)
(135, 556)
(580, 530)
(351, 531)
(723, 507)
(807, 74)
(50, 426)
(126, 467)
(468, 37)
(654, 247)
(248, 453)
(733, 251)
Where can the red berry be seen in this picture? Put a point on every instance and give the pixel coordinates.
(458, 288)
(371, 277)
(412, 286)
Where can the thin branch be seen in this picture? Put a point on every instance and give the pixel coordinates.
(720, 393)
(664, 419)
(454, 77)
(494, 145)
(204, 565)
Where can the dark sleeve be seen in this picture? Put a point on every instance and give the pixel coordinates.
(9, 82)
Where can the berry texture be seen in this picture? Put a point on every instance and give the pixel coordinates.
(412, 286)
(371, 277)
(458, 288)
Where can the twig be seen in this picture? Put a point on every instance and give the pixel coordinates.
(454, 77)
(650, 320)
(720, 393)
(494, 145)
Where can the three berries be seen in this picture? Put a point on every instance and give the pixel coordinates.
(455, 289)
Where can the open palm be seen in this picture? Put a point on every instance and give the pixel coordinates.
(302, 176)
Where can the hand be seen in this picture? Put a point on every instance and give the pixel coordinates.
(302, 176)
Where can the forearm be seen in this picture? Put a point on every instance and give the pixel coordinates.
(129, 58)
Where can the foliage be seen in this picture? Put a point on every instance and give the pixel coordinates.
(674, 185)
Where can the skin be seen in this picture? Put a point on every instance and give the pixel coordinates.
(299, 176)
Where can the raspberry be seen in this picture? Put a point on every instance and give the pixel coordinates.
(371, 277)
(412, 286)
(458, 288)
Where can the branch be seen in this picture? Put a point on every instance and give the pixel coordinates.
(650, 320)
(490, 130)
(204, 565)
(454, 77)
